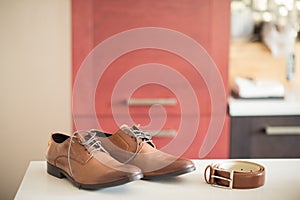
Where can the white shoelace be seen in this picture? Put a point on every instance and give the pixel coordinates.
(145, 136)
(138, 134)
(92, 145)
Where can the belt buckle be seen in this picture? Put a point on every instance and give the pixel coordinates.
(230, 179)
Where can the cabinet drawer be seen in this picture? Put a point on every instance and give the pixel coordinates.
(265, 137)
(128, 79)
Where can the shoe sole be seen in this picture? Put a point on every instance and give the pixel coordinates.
(168, 175)
(59, 173)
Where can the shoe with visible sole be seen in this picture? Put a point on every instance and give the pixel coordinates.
(85, 163)
(135, 147)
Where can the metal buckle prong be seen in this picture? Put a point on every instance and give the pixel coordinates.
(230, 180)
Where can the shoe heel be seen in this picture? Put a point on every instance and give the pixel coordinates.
(54, 171)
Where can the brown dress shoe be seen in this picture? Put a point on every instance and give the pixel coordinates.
(135, 147)
(83, 161)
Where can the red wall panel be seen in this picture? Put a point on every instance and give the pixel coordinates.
(205, 21)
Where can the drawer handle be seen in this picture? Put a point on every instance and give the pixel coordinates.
(163, 133)
(283, 130)
(150, 102)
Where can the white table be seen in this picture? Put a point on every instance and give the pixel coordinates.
(282, 182)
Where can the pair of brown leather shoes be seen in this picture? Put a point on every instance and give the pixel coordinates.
(94, 159)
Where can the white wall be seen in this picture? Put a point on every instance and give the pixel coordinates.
(35, 82)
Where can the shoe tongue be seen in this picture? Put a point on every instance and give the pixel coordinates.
(131, 131)
(85, 138)
(125, 128)
(134, 127)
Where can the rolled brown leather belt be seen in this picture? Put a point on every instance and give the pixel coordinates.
(235, 174)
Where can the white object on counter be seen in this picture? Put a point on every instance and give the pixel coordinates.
(248, 88)
(290, 105)
(282, 182)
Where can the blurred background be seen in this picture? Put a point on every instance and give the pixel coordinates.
(254, 42)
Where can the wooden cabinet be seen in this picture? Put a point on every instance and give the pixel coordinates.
(265, 137)
(205, 21)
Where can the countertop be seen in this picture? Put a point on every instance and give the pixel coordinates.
(289, 106)
(282, 182)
